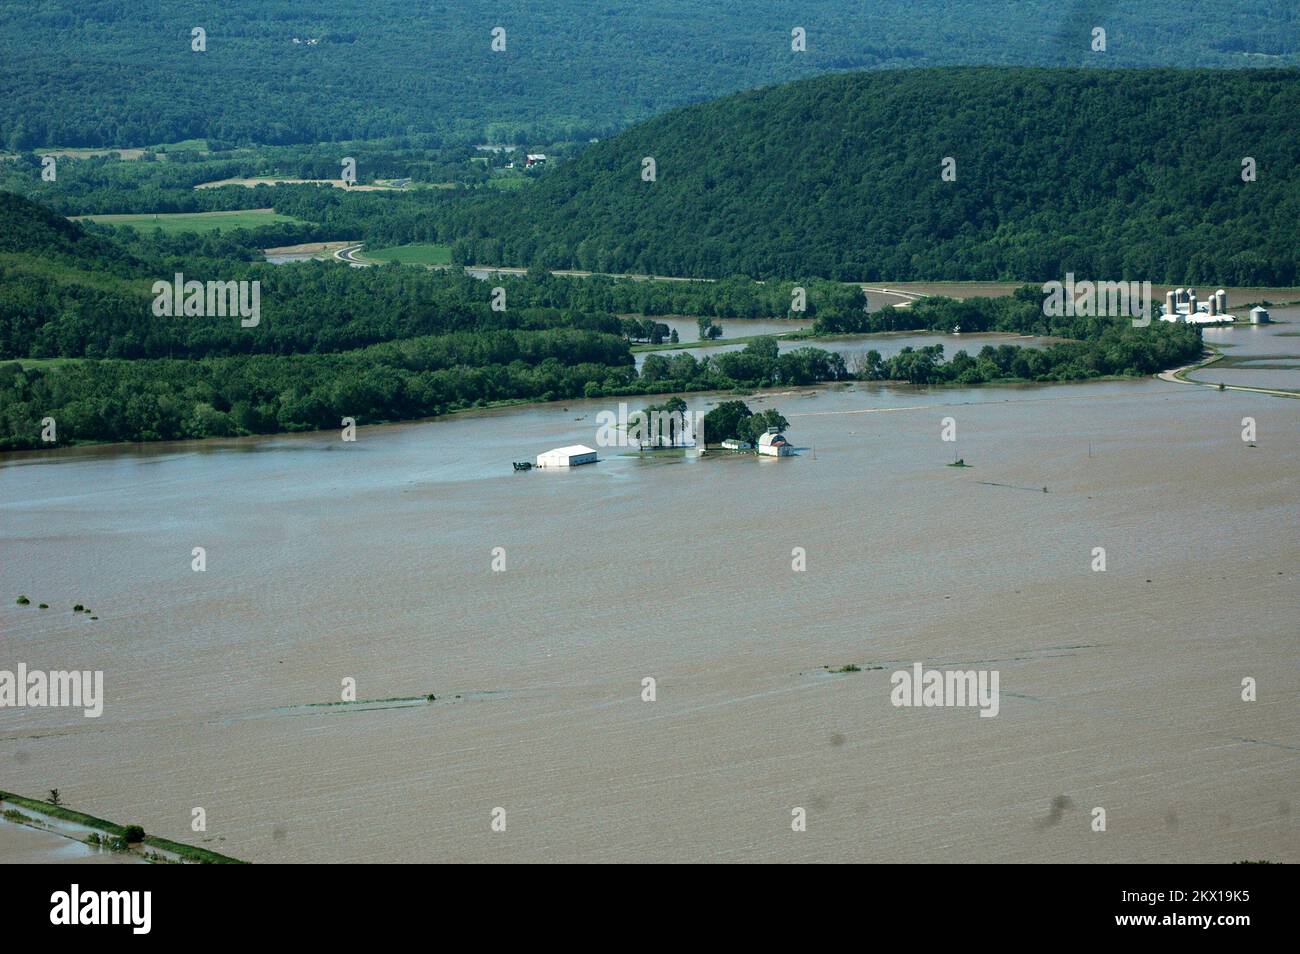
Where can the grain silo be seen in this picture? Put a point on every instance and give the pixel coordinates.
(1221, 298)
(1259, 315)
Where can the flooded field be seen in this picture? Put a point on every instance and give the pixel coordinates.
(1257, 356)
(374, 561)
(22, 845)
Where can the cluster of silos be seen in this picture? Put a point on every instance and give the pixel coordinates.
(1183, 301)
(1219, 303)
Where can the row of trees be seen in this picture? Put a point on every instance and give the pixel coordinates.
(164, 399)
(733, 420)
(147, 400)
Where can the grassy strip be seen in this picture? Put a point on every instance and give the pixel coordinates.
(428, 697)
(192, 853)
(64, 814)
(188, 852)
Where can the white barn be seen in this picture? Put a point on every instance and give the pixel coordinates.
(570, 456)
(774, 444)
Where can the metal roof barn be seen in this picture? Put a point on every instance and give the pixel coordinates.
(570, 456)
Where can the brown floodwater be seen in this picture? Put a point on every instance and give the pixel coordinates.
(1259, 356)
(374, 560)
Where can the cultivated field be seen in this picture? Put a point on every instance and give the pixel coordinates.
(171, 222)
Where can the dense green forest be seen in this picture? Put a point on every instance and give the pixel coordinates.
(66, 291)
(1132, 174)
(373, 344)
(108, 72)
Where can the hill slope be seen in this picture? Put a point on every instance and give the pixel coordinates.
(1134, 174)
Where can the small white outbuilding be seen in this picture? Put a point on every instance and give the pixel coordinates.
(570, 456)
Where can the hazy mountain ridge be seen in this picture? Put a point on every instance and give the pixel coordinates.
(102, 72)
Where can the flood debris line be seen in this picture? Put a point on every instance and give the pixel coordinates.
(991, 483)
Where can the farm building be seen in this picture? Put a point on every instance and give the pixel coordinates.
(774, 444)
(570, 456)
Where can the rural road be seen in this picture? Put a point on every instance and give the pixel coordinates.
(1174, 376)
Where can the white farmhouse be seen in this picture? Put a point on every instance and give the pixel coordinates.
(570, 456)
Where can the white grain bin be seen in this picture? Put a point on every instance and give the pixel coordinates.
(1259, 316)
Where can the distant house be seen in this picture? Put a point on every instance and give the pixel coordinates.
(774, 444)
(570, 456)
(534, 159)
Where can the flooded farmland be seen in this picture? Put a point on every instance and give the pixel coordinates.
(374, 561)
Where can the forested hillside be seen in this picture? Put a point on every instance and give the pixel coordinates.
(1123, 174)
(109, 72)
